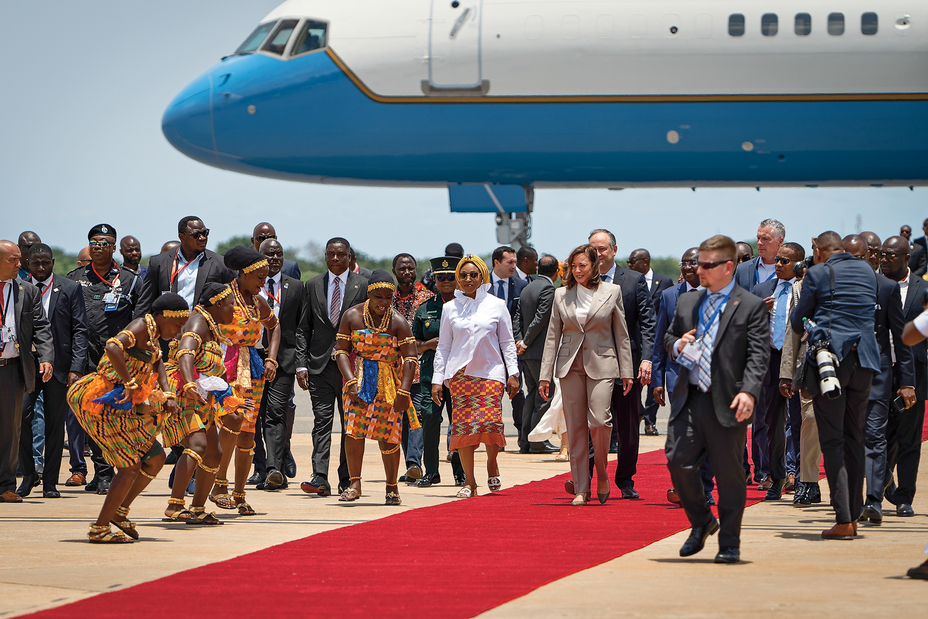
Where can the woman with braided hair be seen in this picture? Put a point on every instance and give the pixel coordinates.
(246, 373)
(114, 406)
(196, 376)
(377, 382)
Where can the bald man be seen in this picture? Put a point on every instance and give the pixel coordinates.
(874, 247)
(265, 231)
(26, 240)
(855, 245)
(131, 251)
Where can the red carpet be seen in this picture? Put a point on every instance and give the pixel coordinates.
(474, 555)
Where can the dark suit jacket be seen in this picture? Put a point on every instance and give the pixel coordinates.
(513, 293)
(158, 277)
(32, 329)
(315, 337)
(68, 318)
(740, 356)
(889, 319)
(639, 313)
(663, 368)
(910, 309)
(746, 274)
(659, 283)
(291, 269)
(918, 256)
(850, 323)
(291, 310)
(535, 314)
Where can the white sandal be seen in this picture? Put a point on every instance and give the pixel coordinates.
(466, 492)
(494, 484)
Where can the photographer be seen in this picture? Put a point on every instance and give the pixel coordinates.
(839, 296)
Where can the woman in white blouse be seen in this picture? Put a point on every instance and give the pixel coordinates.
(476, 360)
(587, 348)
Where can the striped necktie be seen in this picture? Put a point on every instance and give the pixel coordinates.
(708, 343)
(335, 310)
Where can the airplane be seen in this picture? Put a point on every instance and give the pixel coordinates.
(494, 98)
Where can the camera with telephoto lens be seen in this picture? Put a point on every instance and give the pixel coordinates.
(800, 267)
(827, 364)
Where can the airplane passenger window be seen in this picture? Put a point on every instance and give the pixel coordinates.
(736, 24)
(836, 23)
(312, 36)
(255, 39)
(768, 24)
(803, 25)
(869, 23)
(278, 40)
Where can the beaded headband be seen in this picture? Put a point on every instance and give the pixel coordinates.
(176, 313)
(381, 285)
(219, 296)
(255, 266)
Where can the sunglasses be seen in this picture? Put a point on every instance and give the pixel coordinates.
(445, 278)
(711, 265)
(889, 255)
(689, 263)
(100, 244)
(265, 237)
(470, 275)
(200, 234)
(782, 260)
(745, 258)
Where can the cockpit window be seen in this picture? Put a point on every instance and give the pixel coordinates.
(255, 39)
(278, 40)
(312, 36)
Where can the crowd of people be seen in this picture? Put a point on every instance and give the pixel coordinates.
(821, 356)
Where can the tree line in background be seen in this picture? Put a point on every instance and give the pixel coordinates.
(311, 258)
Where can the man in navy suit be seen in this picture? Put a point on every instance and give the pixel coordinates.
(63, 302)
(839, 295)
(640, 260)
(904, 428)
(507, 286)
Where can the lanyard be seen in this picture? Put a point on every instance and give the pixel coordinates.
(277, 298)
(47, 287)
(757, 272)
(704, 326)
(114, 283)
(5, 304)
(175, 271)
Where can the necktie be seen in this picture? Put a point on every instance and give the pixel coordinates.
(40, 286)
(270, 293)
(3, 302)
(335, 310)
(708, 343)
(779, 320)
(500, 292)
(607, 279)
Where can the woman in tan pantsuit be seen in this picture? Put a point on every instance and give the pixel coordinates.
(587, 348)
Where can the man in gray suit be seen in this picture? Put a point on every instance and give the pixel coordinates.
(721, 340)
(535, 314)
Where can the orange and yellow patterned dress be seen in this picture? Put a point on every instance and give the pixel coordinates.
(244, 366)
(193, 416)
(377, 364)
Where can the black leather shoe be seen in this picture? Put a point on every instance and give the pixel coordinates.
(25, 488)
(289, 465)
(920, 572)
(651, 430)
(613, 448)
(316, 485)
(545, 448)
(775, 492)
(710, 500)
(273, 480)
(261, 486)
(815, 494)
(799, 492)
(51, 493)
(728, 555)
(402, 478)
(524, 450)
(103, 485)
(905, 510)
(92, 485)
(256, 478)
(628, 492)
(429, 479)
(873, 513)
(697, 539)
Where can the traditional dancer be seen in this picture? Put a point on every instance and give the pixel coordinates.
(246, 373)
(375, 396)
(196, 373)
(114, 407)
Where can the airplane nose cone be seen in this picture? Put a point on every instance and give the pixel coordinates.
(187, 123)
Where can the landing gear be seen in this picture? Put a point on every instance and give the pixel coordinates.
(515, 229)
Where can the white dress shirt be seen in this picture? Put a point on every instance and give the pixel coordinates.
(8, 302)
(276, 308)
(521, 275)
(187, 278)
(475, 334)
(584, 300)
(341, 281)
(46, 292)
(903, 290)
(610, 275)
(649, 277)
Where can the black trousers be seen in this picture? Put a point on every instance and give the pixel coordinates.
(625, 424)
(904, 440)
(56, 407)
(325, 391)
(518, 406)
(650, 406)
(693, 435)
(875, 449)
(840, 424)
(775, 406)
(535, 405)
(431, 430)
(12, 392)
(277, 419)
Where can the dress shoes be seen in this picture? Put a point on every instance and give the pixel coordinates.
(256, 478)
(316, 485)
(775, 491)
(810, 493)
(765, 485)
(673, 497)
(28, 483)
(289, 465)
(613, 448)
(524, 451)
(103, 485)
(920, 572)
(873, 513)
(78, 479)
(51, 493)
(569, 486)
(10, 497)
(92, 485)
(815, 493)
(274, 480)
(413, 474)
(629, 492)
(905, 510)
(800, 492)
(651, 430)
(448, 457)
(428, 480)
(840, 531)
(728, 554)
(710, 500)
(790, 483)
(697, 539)
(544, 448)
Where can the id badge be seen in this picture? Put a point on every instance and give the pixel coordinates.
(110, 302)
(689, 356)
(6, 334)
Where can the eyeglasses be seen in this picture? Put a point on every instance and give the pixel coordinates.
(445, 278)
(689, 263)
(890, 255)
(101, 244)
(200, 234)
(745, 258)
(711, 265)
(782, 260)
(265, 237)
(470, 275)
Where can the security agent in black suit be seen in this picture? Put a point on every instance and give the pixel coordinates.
(184, 271)
(285, 296)
(23, 325)
(535, 305)
(316, 369)
(640, 321)
(839, 296)
(918, 252)
(713, 400)
(265, 231)
(904, 427)
(68, 320)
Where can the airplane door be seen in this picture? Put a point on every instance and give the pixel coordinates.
(454, 44)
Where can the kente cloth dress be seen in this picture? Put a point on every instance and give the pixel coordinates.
(377, 364)
(244, 366)
(124, 432)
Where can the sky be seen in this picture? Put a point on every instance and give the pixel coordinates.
(85, 85)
